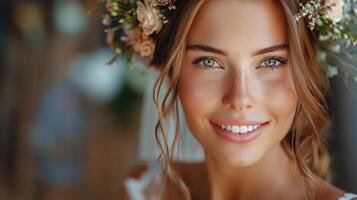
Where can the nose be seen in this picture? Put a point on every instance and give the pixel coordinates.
(237, 95)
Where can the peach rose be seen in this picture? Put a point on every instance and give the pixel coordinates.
(147, 48)
(132, 36)
(140, 42)
(336, 11)
(148, 17)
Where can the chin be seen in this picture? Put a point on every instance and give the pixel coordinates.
(242, 161)
(237, 158)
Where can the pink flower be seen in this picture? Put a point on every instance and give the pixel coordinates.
(148, 17)
(140, 42)
(131, 35)
(336, 11)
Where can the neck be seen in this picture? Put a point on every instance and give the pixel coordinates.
(272, 177)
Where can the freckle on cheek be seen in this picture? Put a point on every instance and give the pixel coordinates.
(279, 90)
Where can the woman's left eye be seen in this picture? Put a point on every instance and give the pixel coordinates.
(206, 63)
(273, 62)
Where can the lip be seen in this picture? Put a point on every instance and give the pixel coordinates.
(237, 122)
(241, 137)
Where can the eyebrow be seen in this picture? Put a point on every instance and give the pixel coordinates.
(200, 47)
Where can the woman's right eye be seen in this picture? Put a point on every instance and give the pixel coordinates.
(206, 63)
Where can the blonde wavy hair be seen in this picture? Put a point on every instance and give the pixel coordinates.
(303, 142)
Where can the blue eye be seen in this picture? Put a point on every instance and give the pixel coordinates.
(273, 62)
(206, 63)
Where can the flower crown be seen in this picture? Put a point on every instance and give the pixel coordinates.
(131, 26)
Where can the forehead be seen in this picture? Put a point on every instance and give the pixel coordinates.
(239, 26)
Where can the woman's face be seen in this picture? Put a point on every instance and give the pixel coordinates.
(235, 85)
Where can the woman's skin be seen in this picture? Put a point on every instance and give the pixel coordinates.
(249, 81)
(246, 77)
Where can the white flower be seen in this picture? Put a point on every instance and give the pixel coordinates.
(331, 71)
(321, 55)
(323, 37)
(336, 11)
(336, 48)
(148, 16)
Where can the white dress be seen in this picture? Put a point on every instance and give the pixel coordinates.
(147, 186)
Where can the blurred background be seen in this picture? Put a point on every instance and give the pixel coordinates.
(69, 124)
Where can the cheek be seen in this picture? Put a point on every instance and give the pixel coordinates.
(199, 92)
(279, 99)
(196, 94)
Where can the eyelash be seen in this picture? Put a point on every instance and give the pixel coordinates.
(279, 59)
(276, 58)
(200, 59)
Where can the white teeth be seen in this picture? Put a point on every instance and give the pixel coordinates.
(228, 128)
(235, 129)
(243, 129)
(239, 129)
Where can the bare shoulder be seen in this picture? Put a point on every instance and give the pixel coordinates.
(193, 174)
(327, 191)
(186, 170)
(169, 189)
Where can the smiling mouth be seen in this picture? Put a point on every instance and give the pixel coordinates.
(240, 133)
(235, 126)
(239, 129)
